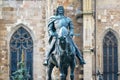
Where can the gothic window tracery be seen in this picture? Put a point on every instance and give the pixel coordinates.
(110, 57)
(21, 41)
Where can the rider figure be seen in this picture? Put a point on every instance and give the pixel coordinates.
(55, 23)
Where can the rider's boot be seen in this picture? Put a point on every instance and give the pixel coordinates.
(81, 60)
(45, 62)
(78, 54)
(48, 54)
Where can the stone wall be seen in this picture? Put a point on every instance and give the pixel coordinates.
(107, 19)
(32, 16)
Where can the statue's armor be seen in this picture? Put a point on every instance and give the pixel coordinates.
(61, 22)
(56, 22)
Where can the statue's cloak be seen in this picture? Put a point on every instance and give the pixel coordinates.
(51, 21)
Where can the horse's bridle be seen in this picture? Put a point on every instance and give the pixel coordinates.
(60, 45)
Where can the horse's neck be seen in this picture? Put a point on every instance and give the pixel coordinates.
(63, 51)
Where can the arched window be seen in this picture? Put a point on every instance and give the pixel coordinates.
(21, 43)
(110, 57)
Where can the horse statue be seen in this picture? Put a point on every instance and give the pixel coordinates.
(63, 58)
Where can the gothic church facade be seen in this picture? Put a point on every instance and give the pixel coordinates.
(23, 27)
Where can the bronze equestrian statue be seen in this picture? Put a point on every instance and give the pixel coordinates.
(55, 24)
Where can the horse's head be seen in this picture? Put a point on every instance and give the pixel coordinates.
(62, 37)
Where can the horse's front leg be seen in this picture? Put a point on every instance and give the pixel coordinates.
(49, 71)
(72, 67)
(62, 74)
(66, 71)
